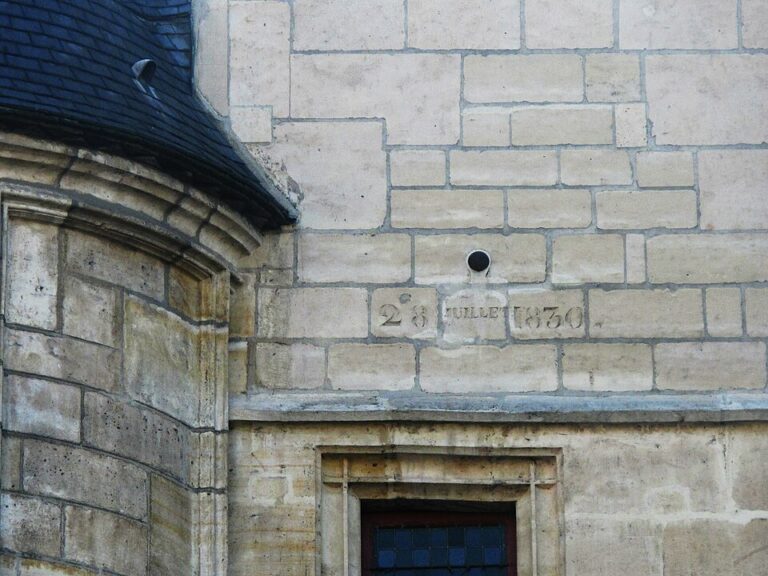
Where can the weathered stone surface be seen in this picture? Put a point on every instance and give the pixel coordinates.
(237, 367)
(530, 78)
(474, 314)
(485, 126)
(404, 313)
(276, 251)
(613, 77)
(662, 169)
(537, 313)
(657, 24)
(708, 99)
(30, 525)
(580, 167)
(503, 168)
(417, 167)
(42, 407)
(757, 311)
(646, 313)
(733, 189)
(325, 160)
(723, 312)
(708, 258)
(630, 209)
(84, 476)
(242, 307)
(631, 125)
(105, 540)
(64, 358)
(359, 259)
(750, 490)
(607, 367)
(516, 368)
(211, 54)
(465, 24)
(710, 365)
(549, 208)
(251, 124)
(447, 209)
(32, 274)
(561, 124)
(635, 257)
(515, 258)
(10, 466)
(259, 46)
(170, 528)
(584, 258)
(313, 313)
(341, 25)
(371, 366)
(569, 23)
(89, 311)
(189, 295)
(370, 86)
(43, 568)
(289, 365)
(754, 15)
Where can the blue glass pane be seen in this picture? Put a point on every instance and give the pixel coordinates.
(438, 556)
(437, 537)
(492, 535)
(455, 536)
(421, 537)
(475, 556)
(421, 557)
(457, 556)
(385, 538)
(403, 538)
(493, 556)
(386, 558)
(473, 536)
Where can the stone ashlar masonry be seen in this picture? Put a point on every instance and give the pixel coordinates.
(610, 156)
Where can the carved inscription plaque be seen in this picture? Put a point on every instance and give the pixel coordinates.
(404, 313)
(470, 315)
(537, 314)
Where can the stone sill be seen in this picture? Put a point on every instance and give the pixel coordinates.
(616, 409)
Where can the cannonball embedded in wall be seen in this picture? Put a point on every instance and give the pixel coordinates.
(479, 262)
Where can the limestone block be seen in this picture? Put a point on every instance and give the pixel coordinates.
(417, 167)
(344, 25)
(581, 167)
(540, 314)
(32, 274)
(7, 565)
(43, 568)
(84, 476)
(724, 312)
(105, 540)
(569, 23)
(404, 313)
(516, 258)
(189, 295)
(447, 209)
(708, 99)
(289, 365)
(635, 256)
(646, 313)
(503, 168)
(757, 311)
(607, 367)
(242, 307)
(710, 365)
(211, 54)
(371, 366)
(237, 367)
(691, 24)
(750, 490)
(715, 547)
(170, 528)
(529, 78)
(630, 209)
(276, 251)
(515, 368)
(754, 14)
(561, 124)
(359, 258)
(65, 358)
(42, 407)
(584, 258)
(371, 86)
(613, 77)
(115, 264)
(631, 125)
(313, 313)
(251, 124)
(473, 315)
(325, 160)
(464, 24)
(733, 189)
(30, 525)
(89, 312)
(549, 208)
(10, 467)
(485, 126)
(259, 52)
(662, 169)
(708, 258)
(32, 163)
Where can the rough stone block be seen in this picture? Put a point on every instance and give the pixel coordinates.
(561, 124)
(417, 167)
(630, 209)
(10, 466)
(485, 126)
(635, 256)
(754, 15)
(89, 312)
(582, 167)
(447, 209)
(276, 251)
(529, 78)
(313, 313)
(289, 365)
(708, 258)
(464, 24)
(211, 54)
(237, 367)
(733, 187)
(691, 24)
(474, 315)
(757, 311)
(33, 250)
(750, 490)
(549, 208)
(370, 86)
(516, 368)
(631, 125)
(42, 407)
(170, 528)
(251, 124)
(43, 568)
(84, 476)
(708, 99)
(663, 169)
(371, 366)
(242, 307)
(613, 77)
(584, 258)
(646, 314)
(30, 525)
(569, 23)
(515, 258)
(710, 365)
(359, 259)
(724, 312)
(607, 367)
(503, 168)
(540, 314)
(404, 313)
(105, 540)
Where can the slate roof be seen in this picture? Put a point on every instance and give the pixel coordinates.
(65, 74)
